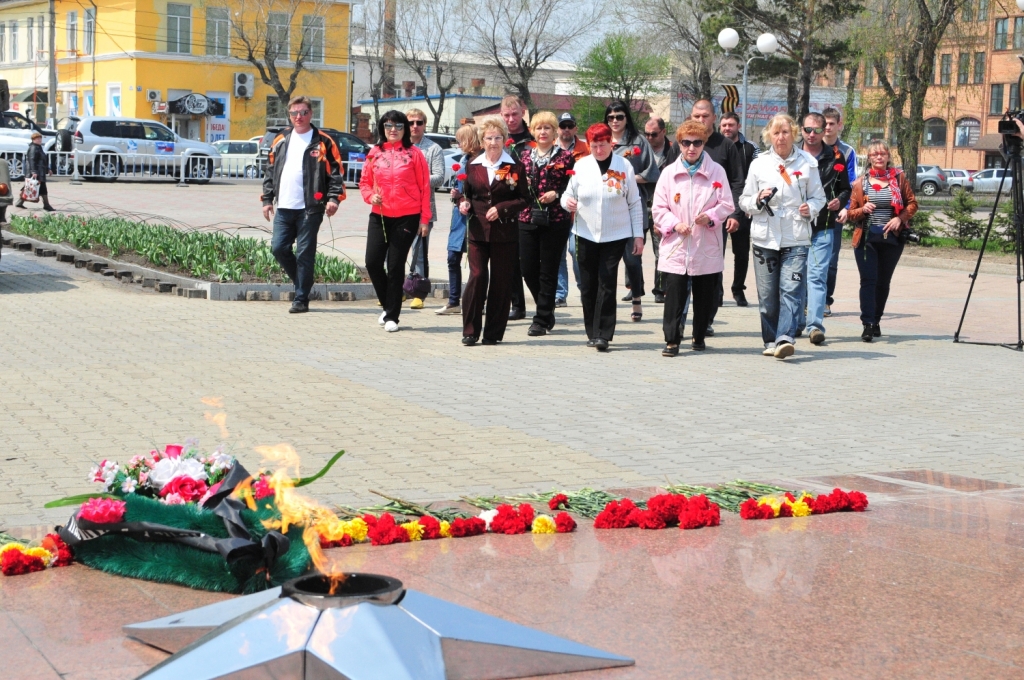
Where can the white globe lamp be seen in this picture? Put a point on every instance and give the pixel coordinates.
(767, 44)
(728, 38)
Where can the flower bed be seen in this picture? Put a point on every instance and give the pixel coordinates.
(210, 256)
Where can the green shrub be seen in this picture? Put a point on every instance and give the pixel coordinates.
(204, 255)
(960, 212)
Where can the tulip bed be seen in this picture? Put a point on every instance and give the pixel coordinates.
(211, 256)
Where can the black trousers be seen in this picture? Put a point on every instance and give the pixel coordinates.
(518, 294)
(540, 253)
(659, 276)
(677, 287)
(741, 254)
(388, 240)
(599, 275)
(876, 262)
(494, 264)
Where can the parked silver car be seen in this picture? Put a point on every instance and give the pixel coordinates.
(959, 180)
(931, 180)
(106, 148)
(988, 180)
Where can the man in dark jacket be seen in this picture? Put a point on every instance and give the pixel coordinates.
(305, 178)
(36, 167)
(665, 153)
(835, 179)
(730, 127)
(725, 153)
(513, 109)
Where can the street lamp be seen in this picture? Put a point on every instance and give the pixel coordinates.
(766, 45)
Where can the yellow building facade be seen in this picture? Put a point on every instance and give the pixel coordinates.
(133, 58)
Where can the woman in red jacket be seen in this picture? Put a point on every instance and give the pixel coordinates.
(396, 183)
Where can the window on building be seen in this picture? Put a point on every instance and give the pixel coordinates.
(313, 38)
(869, 74)
(1018, 33)
(967, 132)
(982, 10)
(945, 75)
(963, 71)
(217, 35)
(995, 107)
(179, 28)
(935, 132)
(30, 45)
(14, 41)
(278, 35)
(979, 68)
(72, 28)
(1002, 28)
(89, 31)
(3, 43)
(1014, 96)
(968, 11)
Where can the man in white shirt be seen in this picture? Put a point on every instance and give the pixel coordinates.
(304, 177)
(435, 161)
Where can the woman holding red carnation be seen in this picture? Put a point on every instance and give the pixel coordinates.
(469, 142)
(631, 145)
(691, 203)
(881, 207)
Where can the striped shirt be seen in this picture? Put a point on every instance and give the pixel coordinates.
(883, 206)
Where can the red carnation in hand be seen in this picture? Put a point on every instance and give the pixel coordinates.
(386, 532)
(564, 523)
(616, 515)
(318, 195)
(558, 501)
(797, 173)
(716, 185)
(456, 167)
(461, 176)
(570, 172)
(509, 142)
(431, 527)
(58, 547)
(636, 150)
(15, 563)
(838, 167)
(190, 490)
(474, 526)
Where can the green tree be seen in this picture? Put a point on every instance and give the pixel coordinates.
(960, 212)
(623, 66)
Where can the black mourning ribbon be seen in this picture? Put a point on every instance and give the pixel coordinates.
(239, 549)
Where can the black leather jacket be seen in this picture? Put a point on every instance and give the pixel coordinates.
(35, 162)
(323, 178)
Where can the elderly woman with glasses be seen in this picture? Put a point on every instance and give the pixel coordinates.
(691, 203)
(631, 145)
(609, 219)
(395, 181)
(493, 194)
(881, 207)
(783, 195)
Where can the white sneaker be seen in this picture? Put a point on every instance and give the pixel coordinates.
(391, 326)
(380, 321)
(784, 349)
(768, 352)
(448, 309)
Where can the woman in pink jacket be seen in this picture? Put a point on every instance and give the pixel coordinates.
(691, 203)
(396, 182)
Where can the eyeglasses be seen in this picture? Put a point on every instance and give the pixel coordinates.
(695, 143)
(616, 116)
(652, 134)
(499, 140)
(299, 114)
(815, 130)
(417, 123)
(567, 126)
(394, 126)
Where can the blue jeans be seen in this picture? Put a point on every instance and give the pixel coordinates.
(454, 277)
(562, 289)
(818, 258)
(833, 265)
(300, 228)
(780, 291)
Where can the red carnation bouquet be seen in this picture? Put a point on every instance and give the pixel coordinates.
(663, 510)
(788, 505)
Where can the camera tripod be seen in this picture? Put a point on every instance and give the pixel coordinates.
(1012, 146)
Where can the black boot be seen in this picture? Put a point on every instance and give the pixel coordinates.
(46, 204)
(20, 203)
(867, 335)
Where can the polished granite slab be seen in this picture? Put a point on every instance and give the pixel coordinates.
(927, 583)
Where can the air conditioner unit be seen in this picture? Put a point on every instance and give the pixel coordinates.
(245, 83)
(152, 95)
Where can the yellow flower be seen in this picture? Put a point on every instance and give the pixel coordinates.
(414, 529)
(446, 530)
(543, 524)
(774, 503)
(42, 553)
(357, 529)
(13, 546)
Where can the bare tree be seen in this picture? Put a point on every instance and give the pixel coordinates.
(431, 38)
(520, 36)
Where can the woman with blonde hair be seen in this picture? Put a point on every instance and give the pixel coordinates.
(783, 195)
(493, 194)
(469, 142)
(544, 224)
(691, 203)
(881, 207)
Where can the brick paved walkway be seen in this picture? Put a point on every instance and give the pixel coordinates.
(96, 369)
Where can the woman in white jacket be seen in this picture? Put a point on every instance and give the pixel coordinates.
(609, 214)
(783, 195)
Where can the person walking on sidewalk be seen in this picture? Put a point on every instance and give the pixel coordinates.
(36, 167)
(579, 148)
(469, 142)
(665, 154)
(396, 182)
(836, 182)
(435, 161)
(513, 112)
(834, 128)
(304, 177)
(730, 129)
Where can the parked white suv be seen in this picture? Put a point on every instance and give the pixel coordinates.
(106, 148)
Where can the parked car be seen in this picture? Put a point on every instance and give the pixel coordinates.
(988, 180)
(17, 125)
(106, 147)
(352, 149)
(959, 180)
(239, 158)
(930, 180)
(443, 141)
(6, 188)
(13, 149)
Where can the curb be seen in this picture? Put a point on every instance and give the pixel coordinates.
(183, 286)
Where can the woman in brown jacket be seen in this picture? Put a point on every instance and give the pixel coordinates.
(494, 193)
(881, 207)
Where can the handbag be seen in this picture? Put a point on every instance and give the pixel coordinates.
(540, 217)
(30, 191)
(416, 286)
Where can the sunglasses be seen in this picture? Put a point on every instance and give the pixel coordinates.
(394, 126)
(616, 116)
(417, 123)
(652, 134)
(567, 126)
(298, 114)
(696, 143)
(815, 130)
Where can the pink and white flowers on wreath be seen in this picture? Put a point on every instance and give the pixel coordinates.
(181, 473)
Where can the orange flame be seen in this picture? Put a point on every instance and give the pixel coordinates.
(220, 420)
(298, 510)
(215, 402)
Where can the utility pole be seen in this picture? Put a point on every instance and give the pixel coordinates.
(51, 103)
